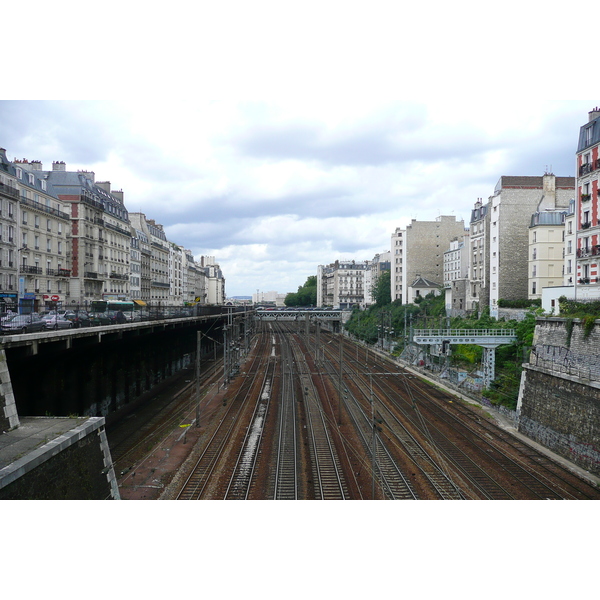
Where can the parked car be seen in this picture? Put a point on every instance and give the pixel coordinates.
(23, 324)
(100, 318)
(56, 322)
(79, 318)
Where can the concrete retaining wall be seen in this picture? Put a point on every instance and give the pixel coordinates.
(559, 401)
(74, 466)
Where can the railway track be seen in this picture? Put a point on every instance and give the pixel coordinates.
(327, 471)
(284, 434)
(196, 484)
(394, 484)
(420, 402)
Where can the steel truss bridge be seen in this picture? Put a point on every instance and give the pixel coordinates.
(488, 339)
(295, 315)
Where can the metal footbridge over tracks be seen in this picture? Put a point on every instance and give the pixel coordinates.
(488, 339)
(294, 315)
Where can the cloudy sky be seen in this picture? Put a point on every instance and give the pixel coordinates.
(277, 137)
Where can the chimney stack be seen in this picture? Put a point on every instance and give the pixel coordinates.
(594, 114)
(105, 185)
(59, 166)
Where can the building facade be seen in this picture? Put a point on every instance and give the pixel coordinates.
(456, 276)
(40, 232)
(510, 208)
(587, 216)
(381, 263)
(418, 251)
(546, 251)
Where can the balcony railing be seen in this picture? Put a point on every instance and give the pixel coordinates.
(8, 190)
(46, 209)
(31, 269)
(118, 229)
(586, 225)
(59, 272)
(585, 169)
(585, 197)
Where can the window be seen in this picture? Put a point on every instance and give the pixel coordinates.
(588, 135)
(24, 215)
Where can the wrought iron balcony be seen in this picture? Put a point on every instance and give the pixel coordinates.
(31, 269)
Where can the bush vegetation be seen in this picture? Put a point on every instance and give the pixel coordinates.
(430, 313)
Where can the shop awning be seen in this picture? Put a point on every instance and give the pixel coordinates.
(140, 302)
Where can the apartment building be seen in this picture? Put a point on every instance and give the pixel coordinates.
(9, 206)
(117, 239)
(546, 251)
(456, 275)
(215, 282)
(478, 292)
(510, 208)
(35, 262)
(324, 273)
(418, 251)
(587, 217)
(194, 281)
(176, 275)
(341, 284)
(135, 268)
(94, 255)
(373, 269)
(570, 245)
(159, 257)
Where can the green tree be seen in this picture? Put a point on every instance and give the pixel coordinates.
(381, 290)
(306, 294)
